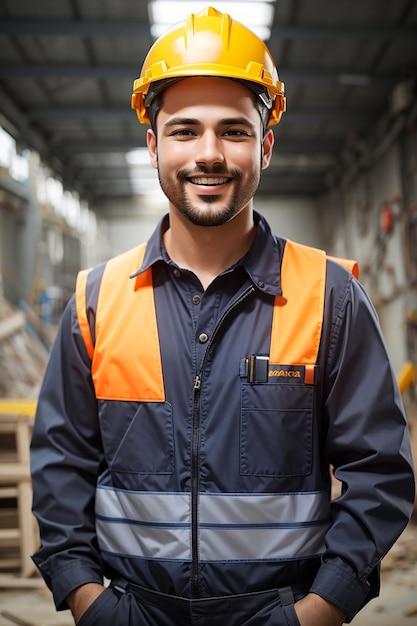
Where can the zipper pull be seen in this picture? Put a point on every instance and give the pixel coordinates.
(197, 382)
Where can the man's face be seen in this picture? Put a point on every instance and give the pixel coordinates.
(209, 149)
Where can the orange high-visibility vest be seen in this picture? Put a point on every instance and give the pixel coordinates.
(127, 334)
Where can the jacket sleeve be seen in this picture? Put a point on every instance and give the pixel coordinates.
(367, 442)
(66, 454)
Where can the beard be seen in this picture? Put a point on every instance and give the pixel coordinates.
(204, 213)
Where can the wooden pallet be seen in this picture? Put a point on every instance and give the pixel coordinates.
(18, 529)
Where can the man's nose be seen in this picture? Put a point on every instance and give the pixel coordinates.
(209, 149)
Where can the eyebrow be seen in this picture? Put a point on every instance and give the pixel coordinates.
(181, 121)
(190, 121)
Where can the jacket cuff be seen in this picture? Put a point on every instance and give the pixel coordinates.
(339, 585)
(69, 578)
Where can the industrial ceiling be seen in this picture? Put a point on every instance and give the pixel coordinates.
(67, 68)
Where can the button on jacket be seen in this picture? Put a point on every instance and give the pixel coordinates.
(174, 447)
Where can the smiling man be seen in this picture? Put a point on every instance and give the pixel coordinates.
(202, 384)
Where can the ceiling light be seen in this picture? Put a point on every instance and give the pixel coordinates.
(258, 13)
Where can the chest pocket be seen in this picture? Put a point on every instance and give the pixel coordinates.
(276, 429)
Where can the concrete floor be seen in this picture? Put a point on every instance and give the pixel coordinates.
(396, 606)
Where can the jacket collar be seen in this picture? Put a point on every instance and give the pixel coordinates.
(262, 262)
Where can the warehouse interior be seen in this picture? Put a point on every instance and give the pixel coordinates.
(77, 187)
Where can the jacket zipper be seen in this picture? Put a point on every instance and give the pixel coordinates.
(195, 454)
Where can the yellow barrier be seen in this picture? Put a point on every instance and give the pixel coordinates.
(406, 376)
(15, 406)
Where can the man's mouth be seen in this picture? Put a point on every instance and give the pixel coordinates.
(209, 182)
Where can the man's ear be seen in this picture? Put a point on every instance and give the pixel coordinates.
(152, 147)
(267, 148)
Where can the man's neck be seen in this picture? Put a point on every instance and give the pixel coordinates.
(209, 251)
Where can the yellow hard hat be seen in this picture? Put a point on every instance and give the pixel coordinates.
(209, 43)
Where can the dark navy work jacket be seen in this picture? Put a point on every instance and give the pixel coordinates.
(175, 447)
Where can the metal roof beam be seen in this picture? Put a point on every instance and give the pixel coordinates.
(69, 28)
(79, 113)
(12, 71)
(9, 71)
(92, 28)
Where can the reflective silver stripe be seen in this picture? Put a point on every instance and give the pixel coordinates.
(143, 506)
(294, 517)
(232, 526)
(260, 544)
(144, 541)
(270, 508)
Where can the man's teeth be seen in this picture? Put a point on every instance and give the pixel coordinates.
(202, 180)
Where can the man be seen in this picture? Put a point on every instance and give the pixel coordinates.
(200, 389)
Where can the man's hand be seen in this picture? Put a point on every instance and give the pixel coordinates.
(81, 598)
(313, 610)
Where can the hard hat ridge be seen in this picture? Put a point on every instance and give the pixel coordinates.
(209, 43)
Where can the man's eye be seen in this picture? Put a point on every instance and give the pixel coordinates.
(182, 132)
(237, 133)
